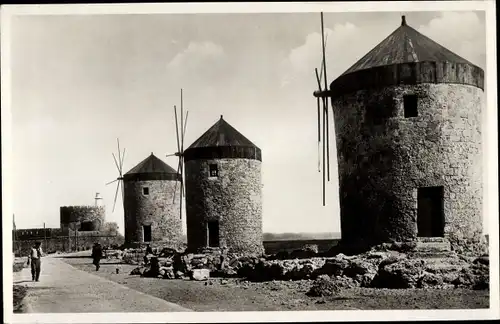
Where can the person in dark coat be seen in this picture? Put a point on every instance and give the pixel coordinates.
(36, 262)
(97, 255)
(149, 251)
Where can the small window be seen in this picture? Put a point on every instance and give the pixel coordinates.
(410, 105)
(214, 171)
(145, 191)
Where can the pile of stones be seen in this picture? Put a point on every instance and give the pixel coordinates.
(393, 266)
(378, 269)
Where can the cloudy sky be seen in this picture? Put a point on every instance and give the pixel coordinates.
(79, 82)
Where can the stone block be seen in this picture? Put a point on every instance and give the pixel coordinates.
(200, 274)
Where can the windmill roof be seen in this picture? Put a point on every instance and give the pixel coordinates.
(151, 168)
(407, 57)
(221, 134)
(222, 141)
(405, 45)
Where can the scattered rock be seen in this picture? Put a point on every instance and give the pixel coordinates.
(475, 276)
(399, 275)
(430, 280)
(169, 274)
(323, 286)
(485, 260)
(138, 271)
(334, 266)
(200, 274)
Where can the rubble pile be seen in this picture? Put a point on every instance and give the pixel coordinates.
(326, 285)
(114, 254)
(378, 269)
(393, 266)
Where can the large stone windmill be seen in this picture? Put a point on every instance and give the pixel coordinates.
(408, 133)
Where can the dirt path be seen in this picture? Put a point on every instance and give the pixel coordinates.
(65, 289)
(236, 295)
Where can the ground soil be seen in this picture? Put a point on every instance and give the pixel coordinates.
(237, 295)
(19, 293)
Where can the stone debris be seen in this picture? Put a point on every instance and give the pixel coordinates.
(113, 254)
(324, 286)
(392, 266)
(200, 274)
(399, 275)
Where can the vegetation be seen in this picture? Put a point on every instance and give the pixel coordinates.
(19, 292)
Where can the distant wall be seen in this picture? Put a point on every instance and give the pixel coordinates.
(272, 247)
(63, 243)
(50, 245)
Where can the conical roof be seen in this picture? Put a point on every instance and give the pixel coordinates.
(221, 134)
(407, 57)
(151, 168)
(405, 45)
(222, 141)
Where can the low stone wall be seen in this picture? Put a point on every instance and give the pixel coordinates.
(63, 244)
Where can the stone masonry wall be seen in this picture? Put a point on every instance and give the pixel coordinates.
(234, 198)
(157, 209)
(384, 157)
(72, 214)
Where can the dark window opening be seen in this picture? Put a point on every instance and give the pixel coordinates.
(410, 103)
(146, 232)
(213, 170)
(145, 191)
(430, 212)
(213, 233)
(86, 226)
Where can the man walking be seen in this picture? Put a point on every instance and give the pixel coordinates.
(36, 265)
(97, 255)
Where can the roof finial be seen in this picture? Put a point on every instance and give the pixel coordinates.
(221, 116)
(151, 153)
(403, 20)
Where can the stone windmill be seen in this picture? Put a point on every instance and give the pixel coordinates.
(408, 133)
(224, 191)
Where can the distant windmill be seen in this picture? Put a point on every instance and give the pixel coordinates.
(180, 130)
(322, 94)
(119, 166)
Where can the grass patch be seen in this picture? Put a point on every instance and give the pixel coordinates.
(18, 266)
(18, 296)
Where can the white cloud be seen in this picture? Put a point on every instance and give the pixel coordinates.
(196, 53)
(198, 62)
(346, 43)
(461, 32)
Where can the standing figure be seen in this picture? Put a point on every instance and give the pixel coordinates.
(35, 256)
(97, 255)
(149, 252)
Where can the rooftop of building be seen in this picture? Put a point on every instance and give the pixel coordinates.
(221, 134)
